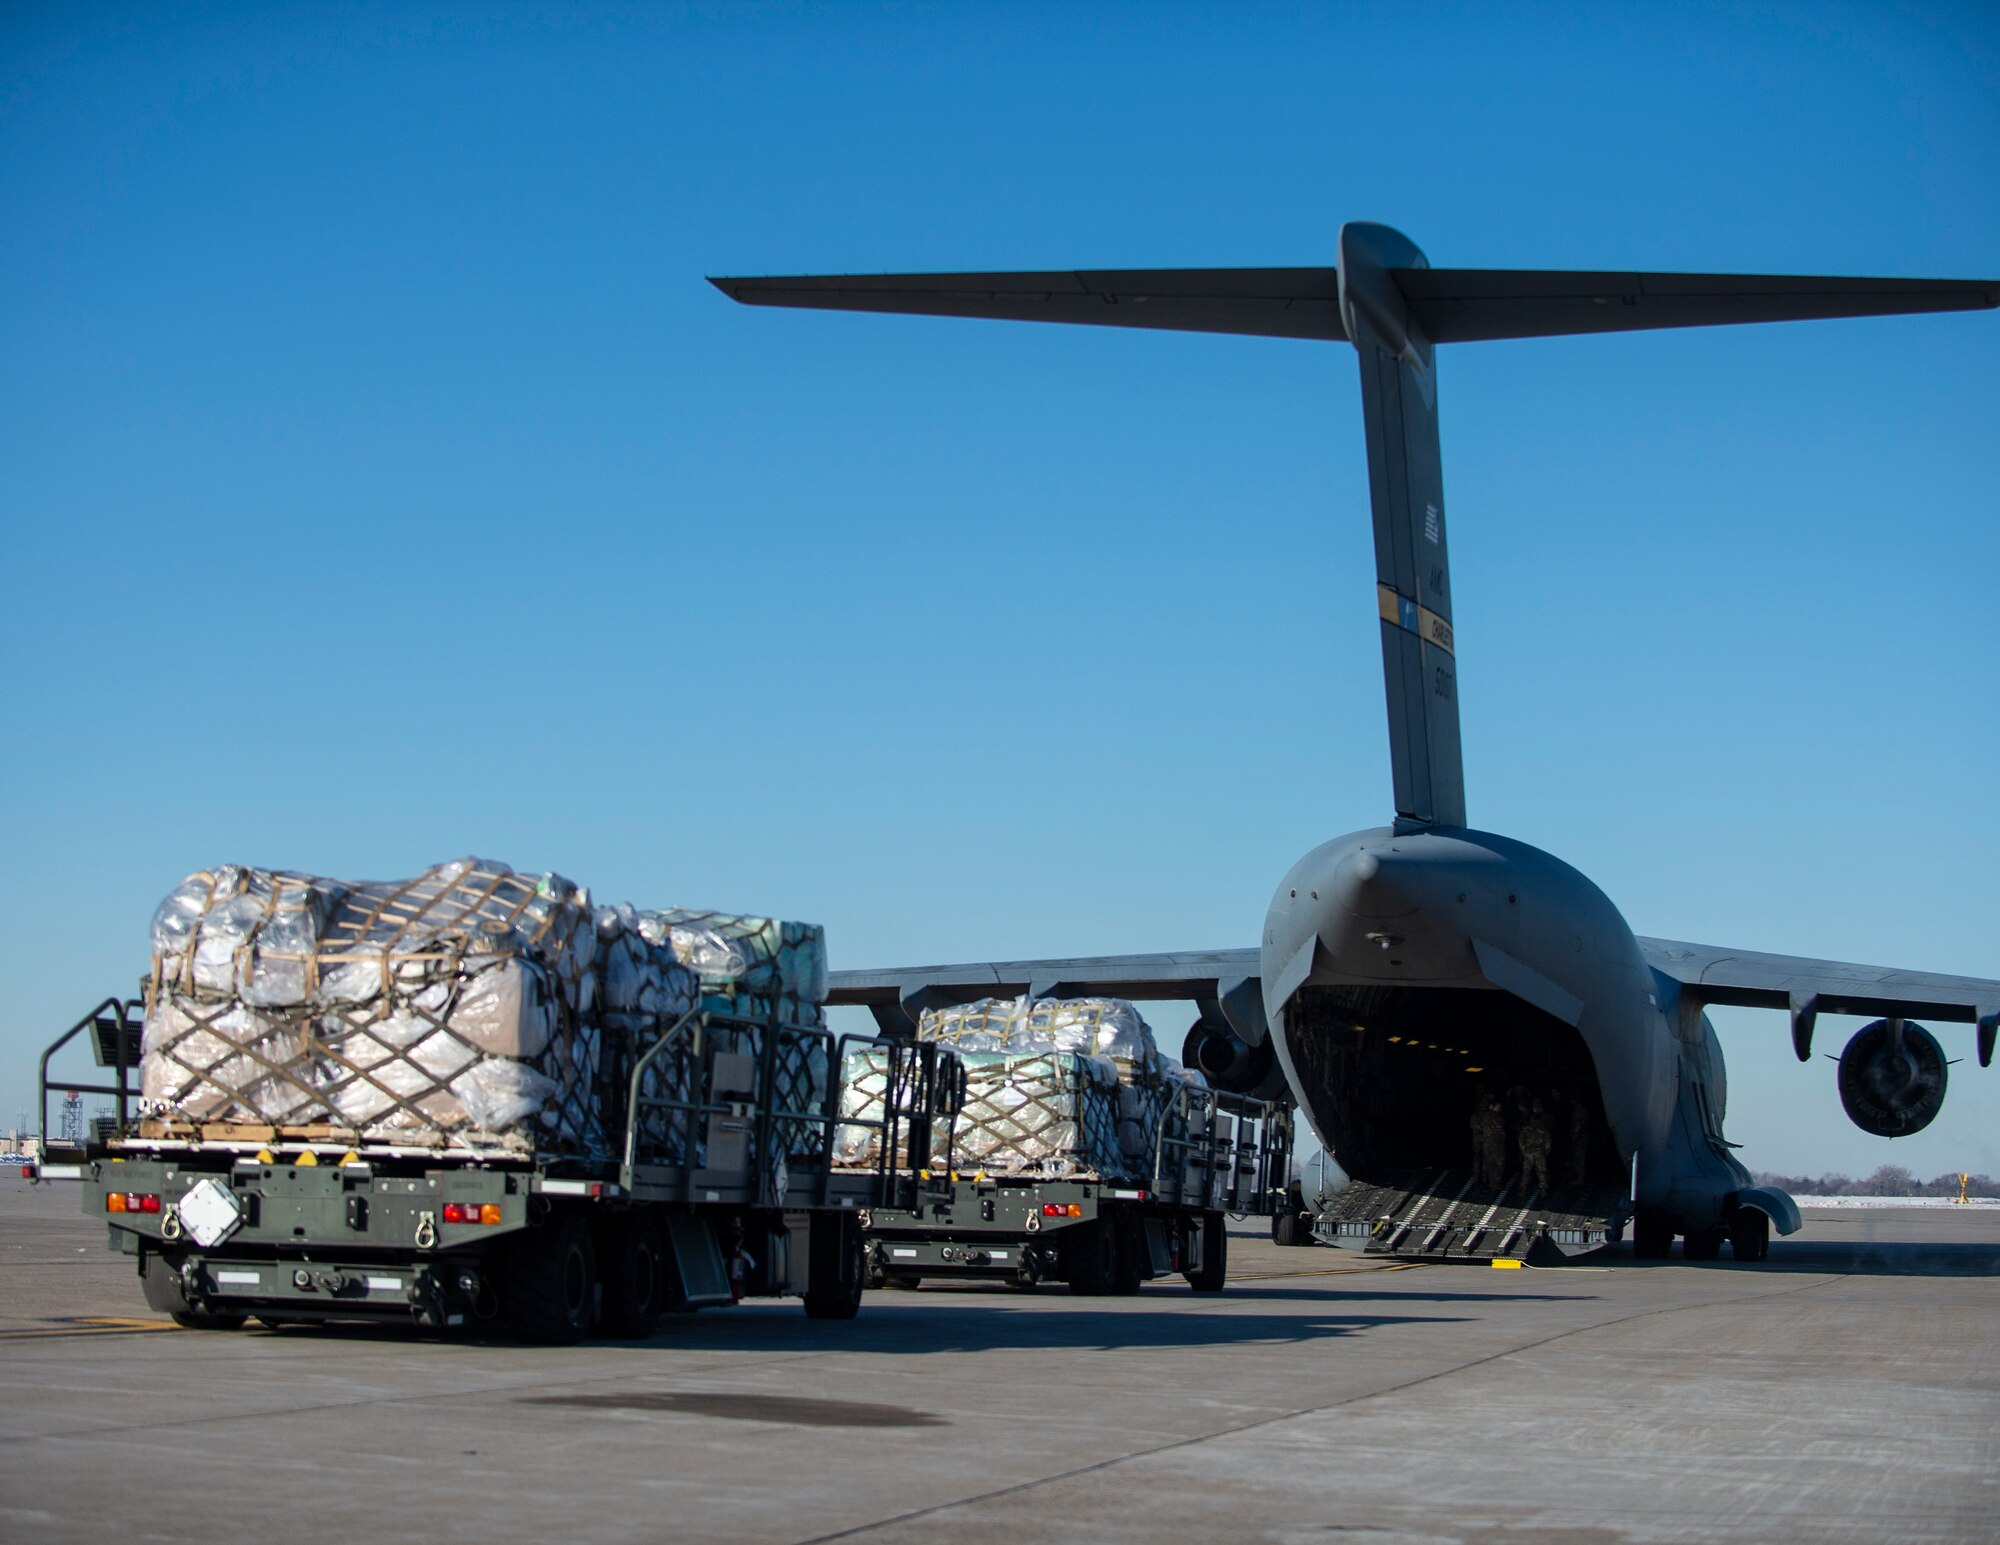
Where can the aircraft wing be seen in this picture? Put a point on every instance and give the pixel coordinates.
(1807, 988)
(897, 997)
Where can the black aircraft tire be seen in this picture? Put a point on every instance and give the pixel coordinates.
(1285, 1227)
(1750, 1236)
(636, 1279)
(1702, 1245)
(550, 1282)
(1211, 1273)
(1087, 1252)
(1652, 1237)
(838, 1269)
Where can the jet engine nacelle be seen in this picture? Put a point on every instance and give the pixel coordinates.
(1892, 1078)
(1230, 1063)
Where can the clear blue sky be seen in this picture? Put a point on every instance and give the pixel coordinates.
(381, 481)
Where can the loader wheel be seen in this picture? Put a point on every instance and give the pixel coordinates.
(1088, 1257)
(550, 1283)
(1285, 1227)
(195, 1320)
(162, 1287)
(636, 1276)
(1211, 1272)
(1750, 1235)
(1128, 1254)
(837, 1267)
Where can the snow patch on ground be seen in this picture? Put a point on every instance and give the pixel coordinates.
(1895, 1201)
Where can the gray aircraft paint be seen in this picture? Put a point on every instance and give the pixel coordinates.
(1429, 906)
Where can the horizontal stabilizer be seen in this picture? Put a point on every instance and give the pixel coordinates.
(1263, 302)
(1452, 305)
(1468, 305)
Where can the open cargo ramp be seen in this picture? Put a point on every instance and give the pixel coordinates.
(1441, 1215)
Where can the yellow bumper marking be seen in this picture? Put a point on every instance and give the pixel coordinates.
(1500, 1265)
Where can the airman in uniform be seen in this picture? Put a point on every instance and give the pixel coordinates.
(1535, 1141)
(1579, 1137)
(1489, 1141)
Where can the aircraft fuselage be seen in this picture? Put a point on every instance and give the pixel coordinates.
(1408, 972)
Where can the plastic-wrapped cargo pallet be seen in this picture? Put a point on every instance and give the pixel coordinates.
(1054, 1087)
(472, 1006)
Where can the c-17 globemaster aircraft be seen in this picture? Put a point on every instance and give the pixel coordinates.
(1420, 984)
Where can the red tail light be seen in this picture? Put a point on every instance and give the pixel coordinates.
(131, 1201)
(471, 1212)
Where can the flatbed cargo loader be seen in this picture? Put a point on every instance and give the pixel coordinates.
(721, 1184)
(1100, 1232)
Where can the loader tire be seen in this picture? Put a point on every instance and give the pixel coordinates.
(1211, 1273)
(550, 1284)
(1089, 1258)
(162, 1287)
(838, 1267)
(637, 1279)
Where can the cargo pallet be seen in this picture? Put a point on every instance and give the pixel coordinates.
(1216, 1154)
(699, 1203)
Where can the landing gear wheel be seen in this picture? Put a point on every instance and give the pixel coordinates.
(636, 1279)
(1211, 1272)
(1286, 1228)
(1652, 1237)
(1087, 1256)
(838, 1267)
(1128, 1239)
(161, 1284)
(1702, 1245)
(1750, 1235)
(550, 1284)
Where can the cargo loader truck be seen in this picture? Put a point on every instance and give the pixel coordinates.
(1103, 1229)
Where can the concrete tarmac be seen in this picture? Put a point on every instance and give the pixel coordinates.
(1847, 1391)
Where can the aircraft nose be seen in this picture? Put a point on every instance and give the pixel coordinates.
(1367, 887)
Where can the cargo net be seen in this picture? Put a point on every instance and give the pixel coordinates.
(472, 1006)
(1057, 1087)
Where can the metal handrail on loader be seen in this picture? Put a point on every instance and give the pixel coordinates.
(123, 1038)
(634, 1101)
(913, 1091)
(925, 1082)
(1209, 1154)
